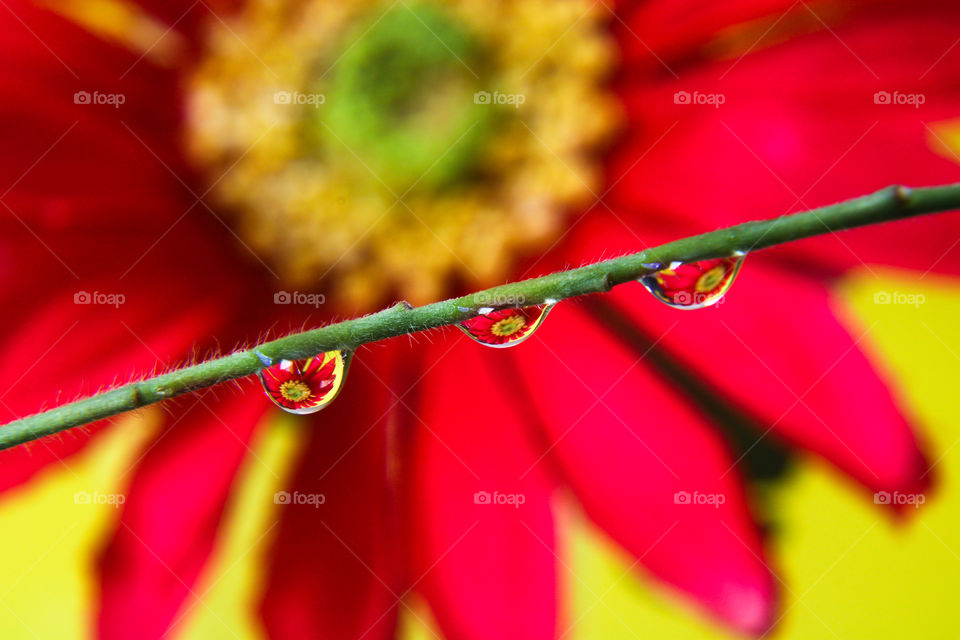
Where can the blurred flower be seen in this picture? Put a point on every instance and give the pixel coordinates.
(388, 147)
(733, 110)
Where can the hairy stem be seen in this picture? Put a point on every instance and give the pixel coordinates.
(892, 203)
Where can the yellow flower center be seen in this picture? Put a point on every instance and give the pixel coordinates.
(295, 391)
(376, 148)
(711, 279)
(508, 326)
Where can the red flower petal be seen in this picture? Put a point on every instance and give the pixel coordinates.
(319, 369)
(776, 348)
(78, 165)
(486, 568)
(673, 29)
(91, 208)
(173, 508)
(89, 204)
(784, 142)
(629, 445)
(59, 349)
(332, 566)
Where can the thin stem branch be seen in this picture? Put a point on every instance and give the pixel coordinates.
(892, 203)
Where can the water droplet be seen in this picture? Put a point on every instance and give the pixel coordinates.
(500, 328)
(306, 386)
(693, 285)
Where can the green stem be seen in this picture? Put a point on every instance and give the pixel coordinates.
(892, 203)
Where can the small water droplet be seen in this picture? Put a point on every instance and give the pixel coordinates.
(306, 386)
(693, 285)
(500, 328)
(652, 265)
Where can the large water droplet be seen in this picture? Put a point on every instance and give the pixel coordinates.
(693, 285)
(306, 386)
(500, 328)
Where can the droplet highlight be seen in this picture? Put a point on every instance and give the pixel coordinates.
(501, 328)
(306, 386)
(693, 285)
